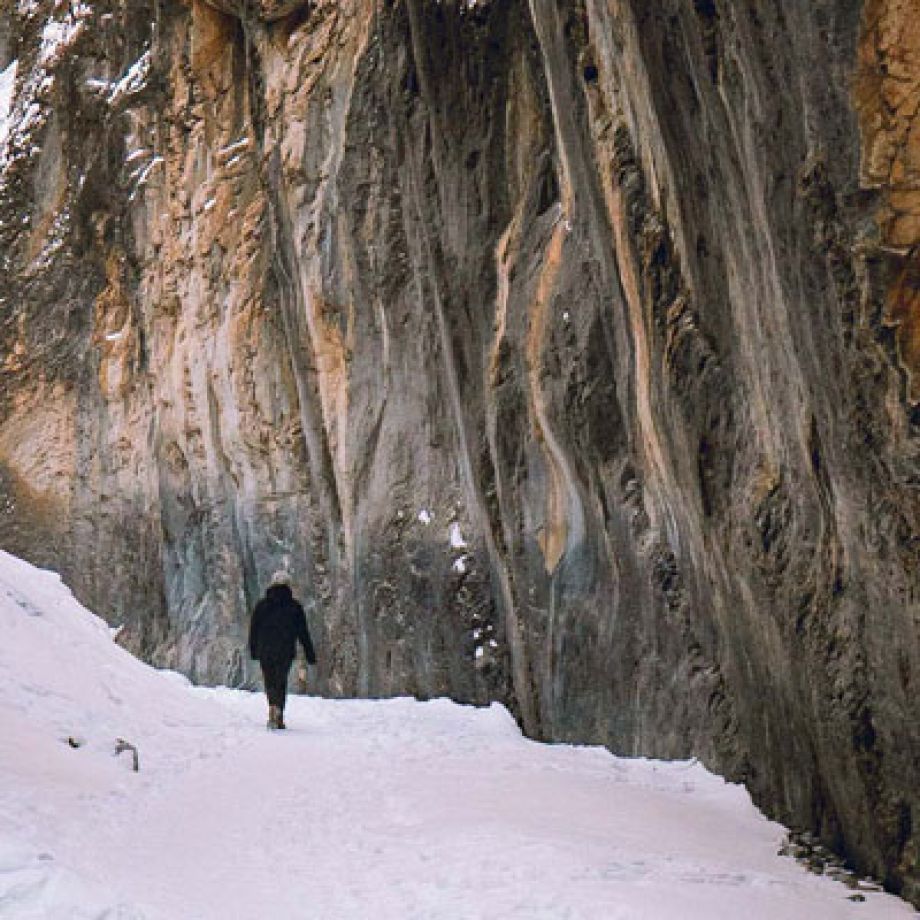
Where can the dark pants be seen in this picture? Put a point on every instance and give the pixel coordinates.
(275, 677)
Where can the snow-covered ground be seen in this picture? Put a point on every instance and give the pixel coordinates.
(392, 809)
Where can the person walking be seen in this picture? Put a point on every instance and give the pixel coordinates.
(278, 622)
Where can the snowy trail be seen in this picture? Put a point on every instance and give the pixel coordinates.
(363, 809)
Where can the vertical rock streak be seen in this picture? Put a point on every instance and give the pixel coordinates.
(567, 353)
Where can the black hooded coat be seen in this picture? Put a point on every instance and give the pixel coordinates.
(277, 623)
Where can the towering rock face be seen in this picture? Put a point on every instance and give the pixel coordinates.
(568, 353)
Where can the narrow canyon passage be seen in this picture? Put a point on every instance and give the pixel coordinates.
(566, 352)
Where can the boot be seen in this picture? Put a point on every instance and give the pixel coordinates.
(274, 716)
(279, 722)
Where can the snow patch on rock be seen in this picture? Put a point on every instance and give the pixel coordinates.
(456, 536)
(7, 85)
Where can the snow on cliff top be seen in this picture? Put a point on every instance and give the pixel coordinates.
(384, 809)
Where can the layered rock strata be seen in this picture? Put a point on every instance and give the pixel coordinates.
(567, 352)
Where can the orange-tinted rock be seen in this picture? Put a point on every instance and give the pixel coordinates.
(566, 352)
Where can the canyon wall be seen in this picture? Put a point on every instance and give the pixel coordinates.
(567, 352)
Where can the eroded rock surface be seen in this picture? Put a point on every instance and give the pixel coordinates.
(568, 353)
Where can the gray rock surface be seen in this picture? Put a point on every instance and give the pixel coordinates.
(567, 353)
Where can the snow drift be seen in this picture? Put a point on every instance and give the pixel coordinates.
(391, 809)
